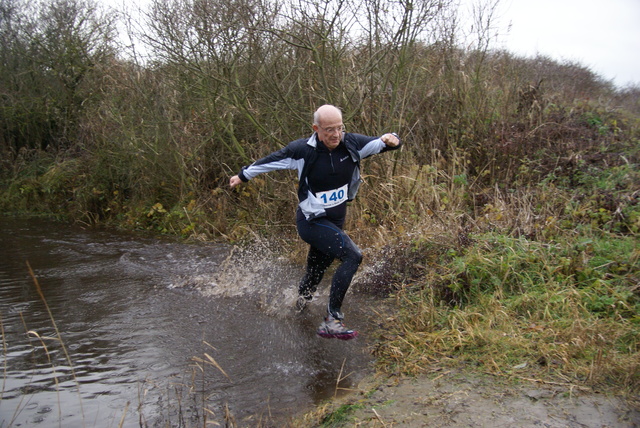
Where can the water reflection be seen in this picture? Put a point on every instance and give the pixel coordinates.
(134, 311)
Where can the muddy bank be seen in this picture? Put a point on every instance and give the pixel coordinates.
(453, 399)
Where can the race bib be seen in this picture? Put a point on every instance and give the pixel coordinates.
(333, 198)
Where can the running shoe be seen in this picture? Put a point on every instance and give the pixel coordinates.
(334, 328)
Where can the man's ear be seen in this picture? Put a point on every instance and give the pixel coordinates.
(315, 127)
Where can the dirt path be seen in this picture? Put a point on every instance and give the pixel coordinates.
(456, 400)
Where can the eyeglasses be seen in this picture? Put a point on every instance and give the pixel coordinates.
(333, 129)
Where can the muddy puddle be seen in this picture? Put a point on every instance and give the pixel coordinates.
(156, 332)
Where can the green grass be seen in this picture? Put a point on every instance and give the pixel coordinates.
(569, 310)
(506, 229)
(340, 416)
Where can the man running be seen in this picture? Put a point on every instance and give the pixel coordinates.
(328, 165)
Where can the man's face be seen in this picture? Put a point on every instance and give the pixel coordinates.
(329, 130)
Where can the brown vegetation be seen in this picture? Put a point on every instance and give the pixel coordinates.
(511, 213)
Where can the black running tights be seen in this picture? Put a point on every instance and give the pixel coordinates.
(328, 242)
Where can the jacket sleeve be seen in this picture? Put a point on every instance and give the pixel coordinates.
(368, 146)
(284, 158)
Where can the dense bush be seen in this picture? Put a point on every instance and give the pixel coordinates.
(101, 136)
(506, 227)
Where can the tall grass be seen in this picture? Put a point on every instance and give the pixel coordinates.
(228, 83)
(48, 351)
(516, 184)
(538, 285)
(509, 303)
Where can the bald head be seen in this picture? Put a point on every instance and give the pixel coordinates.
(327, 113)
(327, 123)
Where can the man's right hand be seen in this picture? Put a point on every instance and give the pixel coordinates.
(234, 181)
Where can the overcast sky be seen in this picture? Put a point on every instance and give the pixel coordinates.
(601, 35)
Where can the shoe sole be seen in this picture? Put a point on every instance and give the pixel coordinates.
(341, 336)
(301, 304)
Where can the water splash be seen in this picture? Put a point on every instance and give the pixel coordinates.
(252, 272)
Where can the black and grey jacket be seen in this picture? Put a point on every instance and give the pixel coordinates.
(301, 155)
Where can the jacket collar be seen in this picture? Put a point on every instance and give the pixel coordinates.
(313, 140)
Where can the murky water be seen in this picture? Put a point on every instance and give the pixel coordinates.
(156, 332)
